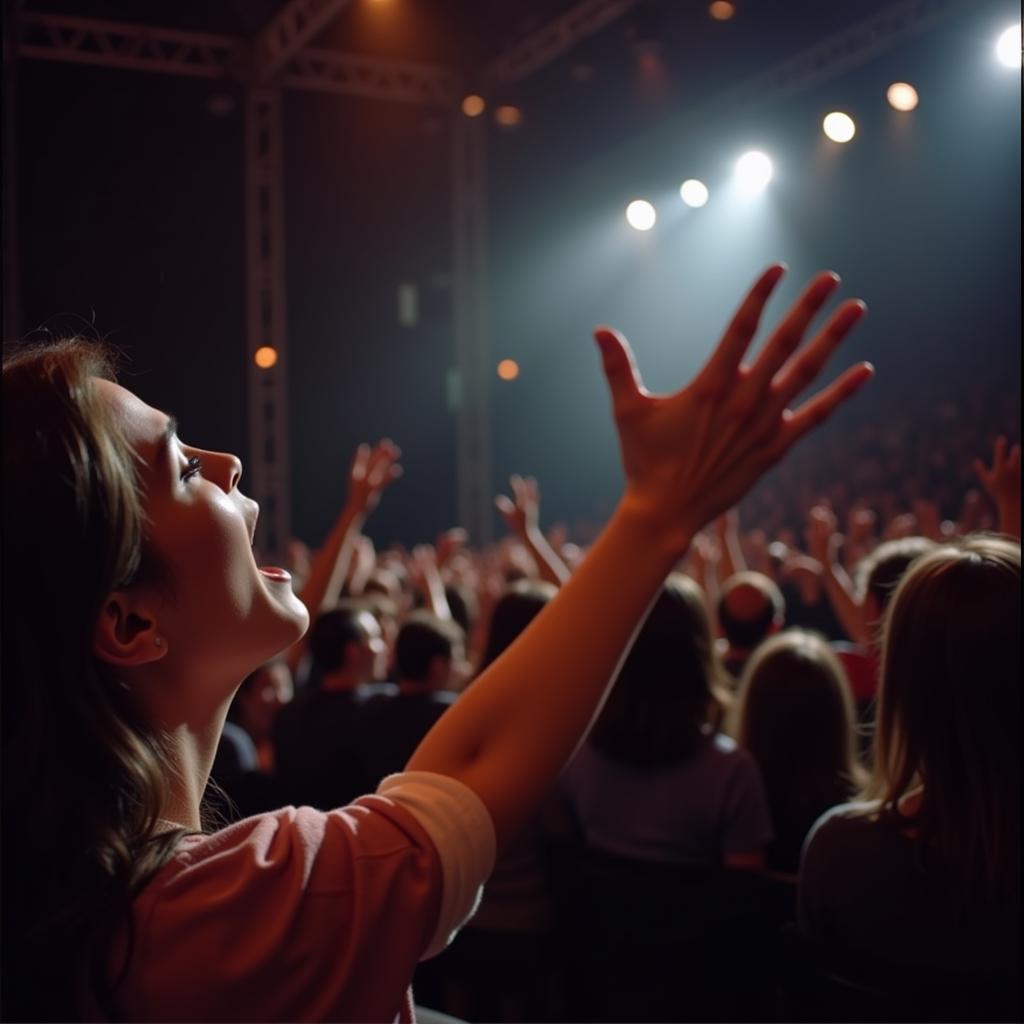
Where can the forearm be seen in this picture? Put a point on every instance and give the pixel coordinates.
(732, 554)
(514, 729)
(840, 595)
(1008, 510)
(328, 569)
(552, 568)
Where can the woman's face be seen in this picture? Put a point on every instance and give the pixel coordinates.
(219, 615)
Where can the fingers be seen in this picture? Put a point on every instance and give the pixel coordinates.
(799, 372)
(818, 408)
(725, 360)
(787, 336)
(359, 460)
(620, 368)
(504, 505)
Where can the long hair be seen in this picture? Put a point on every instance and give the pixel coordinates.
(668, 694)
(796, 716)
(949, 714)
(517, 607)
(83, 779)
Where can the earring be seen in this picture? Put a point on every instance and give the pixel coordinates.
(158, 641)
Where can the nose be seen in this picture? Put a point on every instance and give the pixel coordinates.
(227, 469)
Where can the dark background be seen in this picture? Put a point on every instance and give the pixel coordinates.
(130, 227)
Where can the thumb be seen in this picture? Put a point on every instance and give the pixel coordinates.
(619, 366)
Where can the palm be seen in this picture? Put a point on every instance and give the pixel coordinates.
(691, 455)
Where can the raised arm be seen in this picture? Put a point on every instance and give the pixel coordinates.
(1002, 482)
(371, 471)
(727, 527)
(822, 545)
(687, 458)
(521, 513)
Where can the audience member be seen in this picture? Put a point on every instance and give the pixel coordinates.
(317, 736)
(656, 780)
(796, 718)
(750, 609)
(428, 652)
(156, 610)
(925, 870)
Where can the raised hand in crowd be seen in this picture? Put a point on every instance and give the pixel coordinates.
(425, 578)
(1002, 484)
(727, 530)
(521, 513)
(823, 545)
(372, 470)
(687, 457)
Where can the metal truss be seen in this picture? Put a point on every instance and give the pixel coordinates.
(472, 366)
(374, 77)
(296, 24)
(266, 322)
(114, 44)
(840, 52)
(560, 35)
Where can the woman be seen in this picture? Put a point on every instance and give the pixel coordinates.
(132, 610)
(796, 718)
(656, 780)
(925, 870)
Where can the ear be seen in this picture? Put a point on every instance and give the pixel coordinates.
(125, 634)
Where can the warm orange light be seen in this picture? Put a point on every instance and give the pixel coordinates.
(721, 10)
(265, 357)
(508, 369)
(901, 96)
(473, 105)
(508, 116)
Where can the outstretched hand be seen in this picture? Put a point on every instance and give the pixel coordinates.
(371, 472)
(691, 455)
(521, 512)
(1002, 481)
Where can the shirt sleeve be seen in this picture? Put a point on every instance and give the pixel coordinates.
(461, 829)
(747, 823)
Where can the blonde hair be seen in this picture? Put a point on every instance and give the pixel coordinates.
(948, 717)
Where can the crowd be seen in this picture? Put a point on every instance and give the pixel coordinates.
(691, 705)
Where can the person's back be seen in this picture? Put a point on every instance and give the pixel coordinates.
(655, 781)
(796, 718)
(926, 870)
(391, 727)
(317, 735)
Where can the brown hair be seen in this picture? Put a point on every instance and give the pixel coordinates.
(796, 717)
(83, 779)
(949, 713)
(668, 694)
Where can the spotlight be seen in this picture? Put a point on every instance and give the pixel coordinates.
(839, 127)
(473, 105)
(508, 369)
(265, 357)
(693, 192)
(753, 172)
(1008, 47)
(721, 10)
(508, 116)
(641, 215)
(901, 96)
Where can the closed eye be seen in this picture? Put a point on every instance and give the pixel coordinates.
(193, 468)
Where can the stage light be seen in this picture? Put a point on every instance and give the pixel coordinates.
(641, 215)
(265, 357)
(753, 172)
(839, 127)
(508, 116)
(901, 96)
(473, 105)
(508, 369)
(721, 10)
(693, 192)
(1008, 47)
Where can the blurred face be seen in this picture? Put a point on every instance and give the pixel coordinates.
(372, 650)
(269, 692)
(218, 614)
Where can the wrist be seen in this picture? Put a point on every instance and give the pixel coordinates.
(667, 538)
